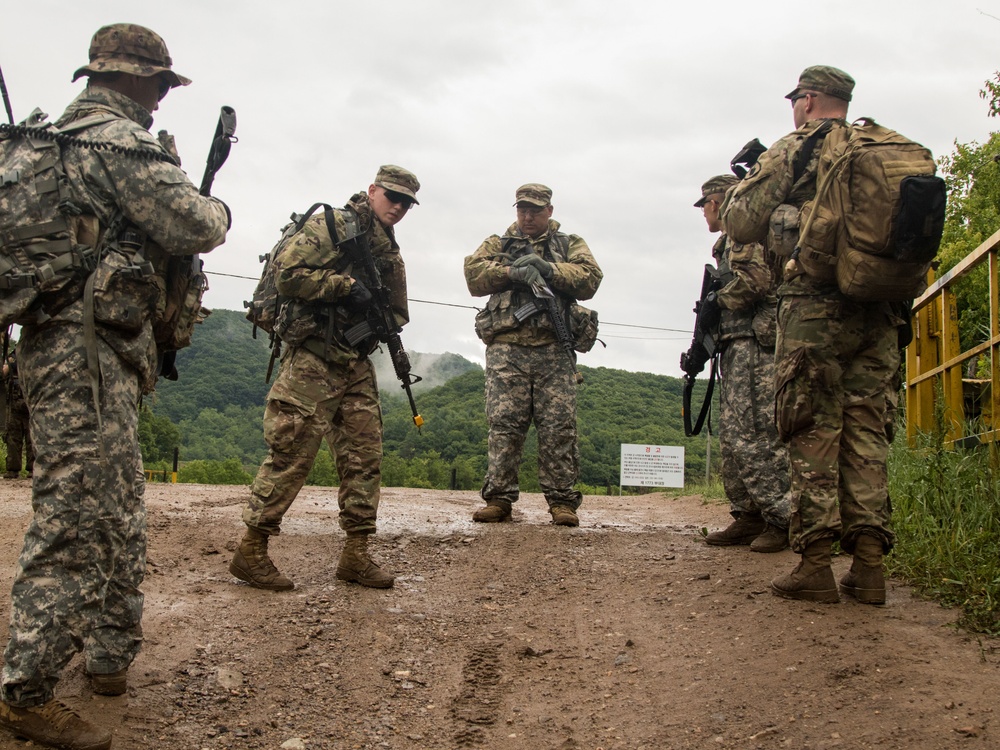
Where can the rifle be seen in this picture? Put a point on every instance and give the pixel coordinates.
(222, 141)
(545, 301)
(380, 321)
(703, 349)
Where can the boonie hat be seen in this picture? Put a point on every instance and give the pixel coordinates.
(825, 79)
(399, 180)
(130, 48)
(534, 193)
(715, 185)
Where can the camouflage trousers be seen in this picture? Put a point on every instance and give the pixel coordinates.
(526, 384)
(18, 441)
(754, 460)
(77, 581)
(312, 399)
(835, 362)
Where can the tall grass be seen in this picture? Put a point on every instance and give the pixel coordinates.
(945, 515)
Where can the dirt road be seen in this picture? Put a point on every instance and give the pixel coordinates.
(625, 633)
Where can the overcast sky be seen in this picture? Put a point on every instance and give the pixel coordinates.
(623, 108)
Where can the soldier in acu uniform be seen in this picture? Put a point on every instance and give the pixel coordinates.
(77, 580)
(326, 385)
(835, 361)
(529, 377)
(754, 461)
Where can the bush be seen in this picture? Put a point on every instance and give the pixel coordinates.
(229, 471)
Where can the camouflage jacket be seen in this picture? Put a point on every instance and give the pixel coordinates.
(747, 210)
(749, 293)
(317, 275)
(574, 277)
(156, 197)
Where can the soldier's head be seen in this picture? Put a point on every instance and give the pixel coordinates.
(392, 194)
(713, 192)
(534, 209)
(132, 60)
(823, 91)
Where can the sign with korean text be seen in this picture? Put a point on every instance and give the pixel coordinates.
(652, 465)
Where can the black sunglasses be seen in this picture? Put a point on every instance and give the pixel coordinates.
(164, 88)
(398, 198)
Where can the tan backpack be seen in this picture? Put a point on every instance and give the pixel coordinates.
(876, 221)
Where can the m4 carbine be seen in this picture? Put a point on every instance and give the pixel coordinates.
(704, 349)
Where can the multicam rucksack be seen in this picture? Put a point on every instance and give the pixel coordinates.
(877, 219)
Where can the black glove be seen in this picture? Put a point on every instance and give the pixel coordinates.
(710, 314)
(359, 298)
(525, 274)
(543, 266)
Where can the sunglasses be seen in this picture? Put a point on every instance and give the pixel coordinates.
(398, 198)
(164, 88)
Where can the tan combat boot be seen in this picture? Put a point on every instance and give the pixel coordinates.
(54, 724)
(251, 564)
(563, 515)
(113, 683)
(492, 513)
(812, 579)
(865, 581)
(774, 539)
(743, 530)
(357, 566)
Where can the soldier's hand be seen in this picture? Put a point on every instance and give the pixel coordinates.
(710, 314)
(526, 274)
(359, 298)
(543, 266)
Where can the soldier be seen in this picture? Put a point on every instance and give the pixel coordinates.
(326, 385)
(529, 377)
(754, 461)
(17, 436)
(77, 581)
(835, 360)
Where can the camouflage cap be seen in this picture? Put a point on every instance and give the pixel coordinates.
(825, 79)
(715, 185)
(534, 193)
(399, 180)
(130, 48)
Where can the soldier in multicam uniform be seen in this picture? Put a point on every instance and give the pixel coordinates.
(835, 360)
(754, 461)
(529, 377)
(77, 580)
(326, 387)
(17, 434)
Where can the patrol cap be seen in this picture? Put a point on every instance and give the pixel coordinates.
(534, 193)
(825, 79)
(398, 180)
(715, 185)
(130, 48)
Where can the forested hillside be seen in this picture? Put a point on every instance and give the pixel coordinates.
(214, 413)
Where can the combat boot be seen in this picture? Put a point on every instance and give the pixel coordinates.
(746, 528)
(357, 566)
(54, 724)
(865, 581)
(563, 515)
(113, 683)
(492, 513)
(774, 539)
(252, 565)
(812, 579)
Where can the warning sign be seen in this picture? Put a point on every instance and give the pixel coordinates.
(652, 465)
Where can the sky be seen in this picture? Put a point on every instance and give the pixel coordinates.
(624, 109)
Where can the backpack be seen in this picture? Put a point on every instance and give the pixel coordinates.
(264, 308)
(875, 224)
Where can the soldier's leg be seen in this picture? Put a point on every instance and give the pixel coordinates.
(294, 425)
(553, 395)
(355, 439)
(809, 413)
(508, 413)
(14, 441)
(734, 403)
(80, 501)
(116, 637)
(864, 446)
